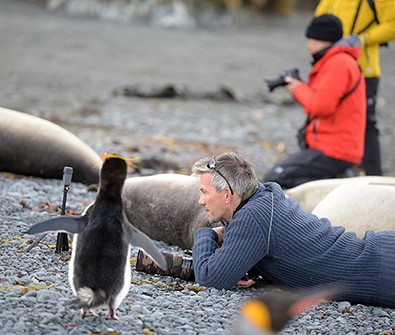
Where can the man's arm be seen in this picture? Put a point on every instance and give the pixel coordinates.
(331, 84)
(244, 245)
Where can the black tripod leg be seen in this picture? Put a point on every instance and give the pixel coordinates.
(62, 243)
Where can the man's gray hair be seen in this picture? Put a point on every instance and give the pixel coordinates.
(238, 171)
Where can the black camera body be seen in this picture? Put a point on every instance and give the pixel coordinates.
(280, 80)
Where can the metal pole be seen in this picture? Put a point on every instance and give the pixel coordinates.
(62, 239)
(62, 243)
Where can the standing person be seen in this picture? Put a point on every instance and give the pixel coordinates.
(334, 102)
(272, 235)
(374, 22)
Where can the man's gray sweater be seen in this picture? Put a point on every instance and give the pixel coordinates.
(292, 248)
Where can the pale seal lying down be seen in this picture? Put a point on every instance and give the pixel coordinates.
(36, 147)
(358, 203)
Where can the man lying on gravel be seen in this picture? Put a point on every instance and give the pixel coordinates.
(271, 234)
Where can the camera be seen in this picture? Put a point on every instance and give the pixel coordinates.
(280, 80)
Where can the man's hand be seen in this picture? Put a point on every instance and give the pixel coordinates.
(242, 283)
(220, 234)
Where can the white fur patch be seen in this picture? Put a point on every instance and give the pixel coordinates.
(86, 295)
(126, 284)
(71, 264)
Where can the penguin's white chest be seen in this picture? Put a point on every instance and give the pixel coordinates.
(71, 264)
(126, 282)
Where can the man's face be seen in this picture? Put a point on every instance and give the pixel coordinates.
(214, 202)
(314, 45)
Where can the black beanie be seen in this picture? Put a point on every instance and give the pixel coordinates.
(326, 27)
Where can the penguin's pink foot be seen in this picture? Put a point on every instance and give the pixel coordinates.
(111, 315)
(88, 313)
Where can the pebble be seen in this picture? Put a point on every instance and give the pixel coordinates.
(344, 305)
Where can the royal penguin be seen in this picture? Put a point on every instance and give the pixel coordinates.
(270, 312)
(99, 269)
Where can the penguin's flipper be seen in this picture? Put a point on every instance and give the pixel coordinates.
(139, 240)
(67, 224)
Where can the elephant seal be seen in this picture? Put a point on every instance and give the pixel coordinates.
(309, 194)
(36, 147)
(99, 269)
(360, 207)
(165, 207)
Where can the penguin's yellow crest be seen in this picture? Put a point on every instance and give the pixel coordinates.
(131, 162)
(258, 314)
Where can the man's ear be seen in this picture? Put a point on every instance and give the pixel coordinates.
(228, 196)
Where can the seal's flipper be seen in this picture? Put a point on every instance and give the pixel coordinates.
(139, 240)
(67, 224)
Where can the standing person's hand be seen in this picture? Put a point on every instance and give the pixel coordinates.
(292, 83)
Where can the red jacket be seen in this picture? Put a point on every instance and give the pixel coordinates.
(337, 127)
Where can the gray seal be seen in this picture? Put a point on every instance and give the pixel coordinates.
(32, 146)
(165, 207)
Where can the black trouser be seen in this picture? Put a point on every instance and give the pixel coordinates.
(371, 162)
(304, 166)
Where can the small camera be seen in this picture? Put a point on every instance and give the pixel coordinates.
(280, 80)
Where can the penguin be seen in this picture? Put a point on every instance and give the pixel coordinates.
(269, 313)
(99, 269)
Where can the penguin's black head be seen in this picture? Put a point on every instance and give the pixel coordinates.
(113, 174)
(114, 168)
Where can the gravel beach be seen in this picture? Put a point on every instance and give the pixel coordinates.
(69, 70)
(35, 292)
